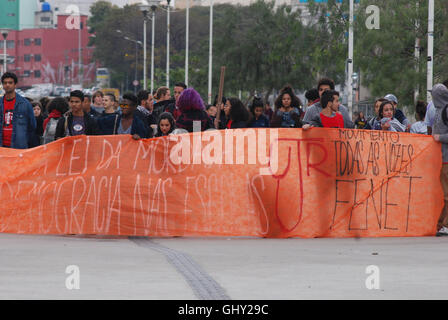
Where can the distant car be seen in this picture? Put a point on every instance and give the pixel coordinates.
(57, 91)
(34, 93)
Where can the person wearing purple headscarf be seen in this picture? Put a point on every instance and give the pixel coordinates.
(192, 109)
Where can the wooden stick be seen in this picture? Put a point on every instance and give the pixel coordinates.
(220, 94)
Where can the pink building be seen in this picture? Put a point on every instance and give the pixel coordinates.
(51, 55)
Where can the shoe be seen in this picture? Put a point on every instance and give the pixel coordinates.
(443, 232)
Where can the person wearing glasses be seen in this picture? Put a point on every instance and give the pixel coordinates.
(76, 122)
(126, 122)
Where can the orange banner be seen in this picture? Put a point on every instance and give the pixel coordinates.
(251, 182)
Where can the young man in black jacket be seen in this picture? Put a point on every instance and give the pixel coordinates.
(76, 122)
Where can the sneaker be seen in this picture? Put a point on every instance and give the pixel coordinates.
(442, 232)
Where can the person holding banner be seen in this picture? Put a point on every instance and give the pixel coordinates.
(192, 108)
(127, 122)
(166, 124)
(440, 133)
(330, 117)
(287, 110)
(76, 122)
(312, 113)
(388, 121)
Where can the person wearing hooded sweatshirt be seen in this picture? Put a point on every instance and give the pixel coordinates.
(440, 134)
(192, 109)
(57, 108)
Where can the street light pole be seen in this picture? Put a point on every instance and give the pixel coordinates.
(153, 8)
(430, 47)
(187, 41)
(5, 55)
(144, 6)
(168, 45)
(136, 54)
(210, 59)
(136, 64)
(350, 60)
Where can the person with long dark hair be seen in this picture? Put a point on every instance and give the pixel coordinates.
(238, 114)
(388, 121)
(166, 124)
(39, 115)
(288, 110)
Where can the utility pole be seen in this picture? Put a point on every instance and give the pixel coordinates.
(350, 61)
(430, 47)
(168, 45)
(187, 41)
(210, 59)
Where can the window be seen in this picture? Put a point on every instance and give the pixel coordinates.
(27, 42)
(11, 14)
(38, 41)
(26, 73)
(9, 44)
(37, 57)
(45, 19)
(36, 73)
(27, 58)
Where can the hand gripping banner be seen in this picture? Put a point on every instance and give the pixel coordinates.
(250, 182)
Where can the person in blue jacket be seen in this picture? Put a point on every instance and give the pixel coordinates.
(17, 121)
(126, 122)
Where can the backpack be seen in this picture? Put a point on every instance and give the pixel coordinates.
(50, 130)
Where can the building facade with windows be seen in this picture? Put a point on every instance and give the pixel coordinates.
(50, 55)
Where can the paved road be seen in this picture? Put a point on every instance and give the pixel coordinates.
(34, 267)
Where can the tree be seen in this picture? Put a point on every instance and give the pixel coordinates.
(386, 57)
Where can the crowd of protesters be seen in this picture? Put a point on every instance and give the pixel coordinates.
(27, 124)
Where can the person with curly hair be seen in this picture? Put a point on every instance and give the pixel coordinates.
(288, 110)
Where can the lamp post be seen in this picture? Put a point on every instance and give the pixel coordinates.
(429, 80)
(5, 55)
(168, 44)
(145, 6)
(350, 60)
(187, 41)
(210, 55)
(136, 54)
